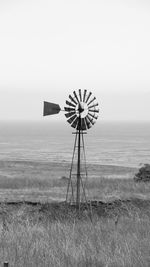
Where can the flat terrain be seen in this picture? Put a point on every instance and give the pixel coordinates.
(40, 181)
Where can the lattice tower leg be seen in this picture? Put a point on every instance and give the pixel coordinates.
(76, 185)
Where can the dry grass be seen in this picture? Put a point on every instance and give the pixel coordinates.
(44, 189)
(55, 189)
(110, 189)
(100, 242)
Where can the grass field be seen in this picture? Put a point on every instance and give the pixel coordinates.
(46, 235)
(35, 230)
(24, 180)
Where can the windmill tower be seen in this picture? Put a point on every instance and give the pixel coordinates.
(81, 113)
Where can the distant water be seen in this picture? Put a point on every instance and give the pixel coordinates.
(122, 144)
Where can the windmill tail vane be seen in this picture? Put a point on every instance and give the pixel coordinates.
(50, 108)
(81, 112)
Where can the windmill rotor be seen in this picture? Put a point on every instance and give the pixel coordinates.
(81, 105)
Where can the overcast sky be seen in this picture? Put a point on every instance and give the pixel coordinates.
(48, 48)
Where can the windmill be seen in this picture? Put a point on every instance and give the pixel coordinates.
(81, 111)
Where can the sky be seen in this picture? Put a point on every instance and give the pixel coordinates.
(50, 48)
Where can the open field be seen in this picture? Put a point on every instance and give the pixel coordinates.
(37, 229)
(49, 170)
(55, 190)
(45, 182)
(40, 181)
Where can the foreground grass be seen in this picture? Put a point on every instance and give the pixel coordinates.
(73, 242)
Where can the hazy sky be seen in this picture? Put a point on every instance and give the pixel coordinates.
(48, 48)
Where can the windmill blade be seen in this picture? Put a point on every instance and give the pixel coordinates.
(69, 114)
(89, 125)
(72, 99)
(94, 110)
(88, 97)
(75, 123)
(93, 116)
(69, 109)
(91, 120)
(50, 108)
(94, 105)
(72, 119)
(80, 95)
(76, 96)
(84, 96)
(91, 100)
(83, 124)
(70, 104)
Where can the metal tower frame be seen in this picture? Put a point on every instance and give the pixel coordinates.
(80, 184)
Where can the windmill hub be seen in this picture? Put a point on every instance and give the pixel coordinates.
(82, 109)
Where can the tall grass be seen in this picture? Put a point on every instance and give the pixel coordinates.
(117, 188)
(34, 189)
(102, 184)
(100, 242)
